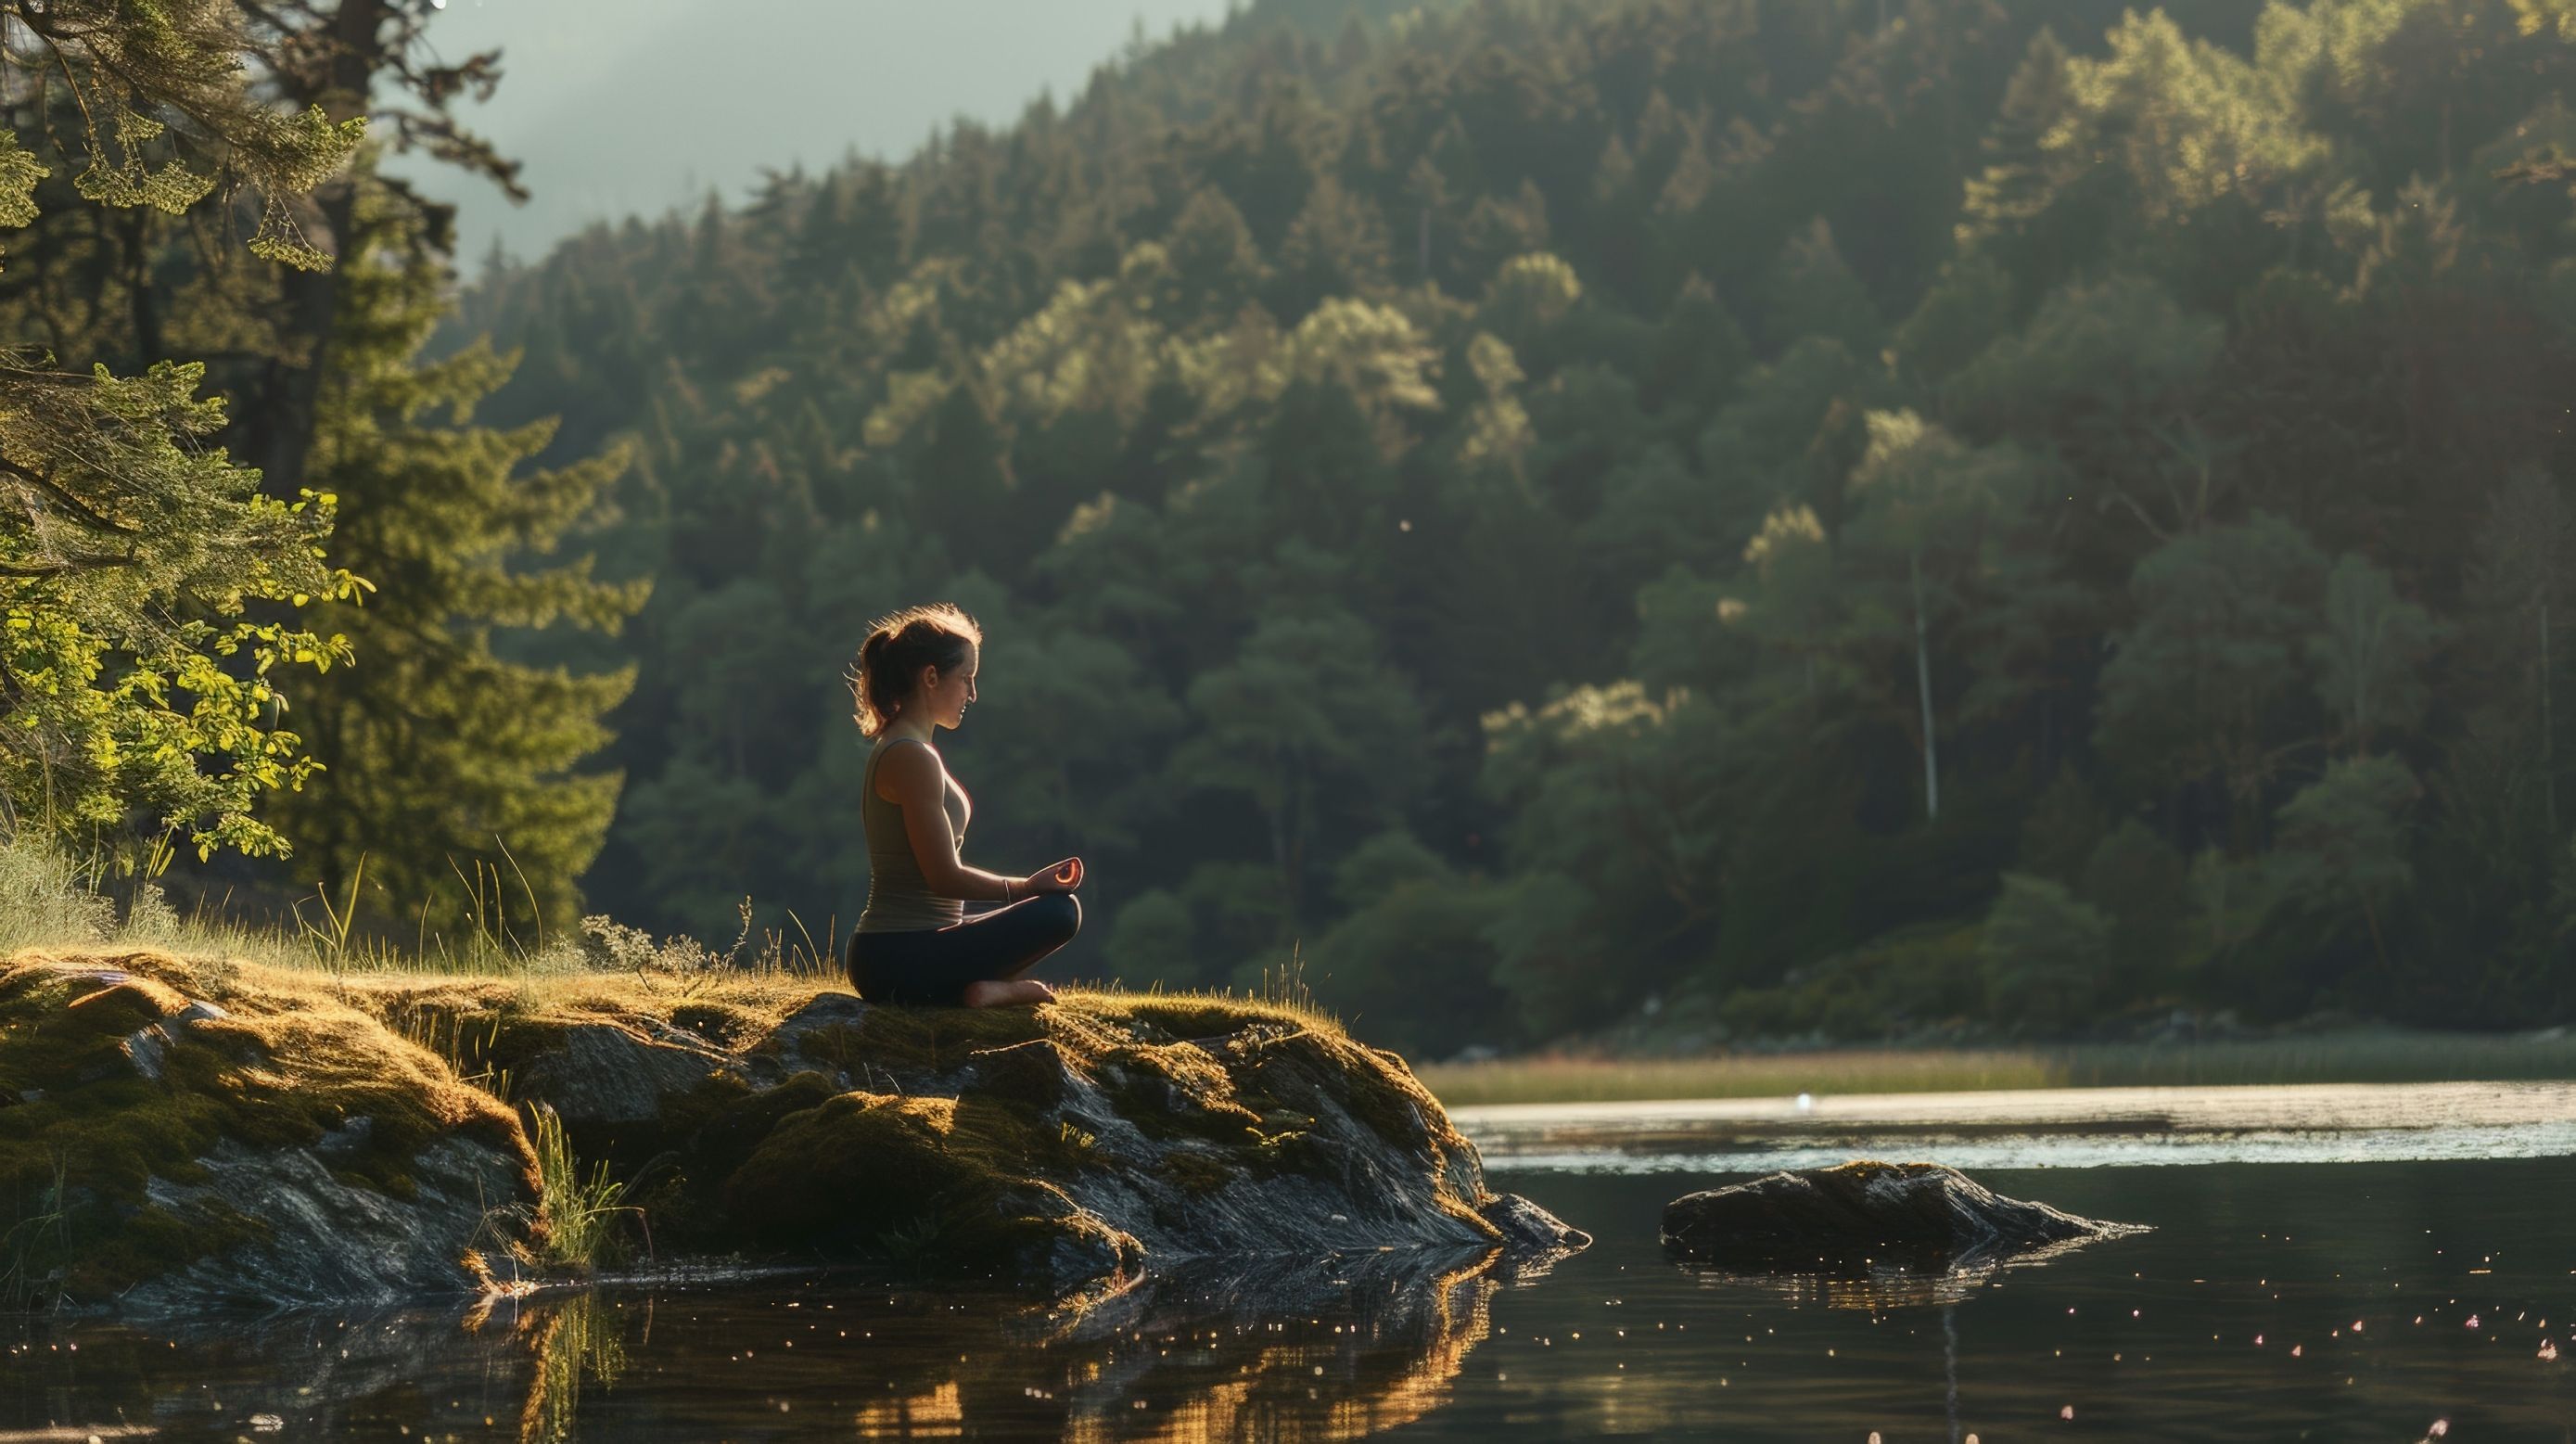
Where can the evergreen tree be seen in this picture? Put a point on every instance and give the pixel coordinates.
(144, 580)
(444, 755)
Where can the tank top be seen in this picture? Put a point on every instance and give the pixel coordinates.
(899, 897)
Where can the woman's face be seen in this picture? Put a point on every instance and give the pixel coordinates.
(945, 700)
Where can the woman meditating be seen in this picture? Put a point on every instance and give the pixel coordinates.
(914, 943)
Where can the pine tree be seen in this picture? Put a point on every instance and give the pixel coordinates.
(443, 754)
(144, 580)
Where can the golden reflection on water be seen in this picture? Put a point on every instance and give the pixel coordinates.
(937, 1414)
(573, 1342)
(1374, 1375)
(1326, 1351)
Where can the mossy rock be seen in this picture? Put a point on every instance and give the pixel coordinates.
(904, 1177)
(1053, 1148)
(197, 1129)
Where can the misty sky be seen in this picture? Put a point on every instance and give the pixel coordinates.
(634, 106)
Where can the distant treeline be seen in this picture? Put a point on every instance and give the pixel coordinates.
(1879, 512)
(1866, 513)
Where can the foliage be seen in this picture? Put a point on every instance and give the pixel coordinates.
(446, 754)
(2046, 953)
(1677, 494)
(141, 673)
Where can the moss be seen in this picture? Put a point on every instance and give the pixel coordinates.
(152, 1242)
(1196, 1173)
(285, 1063)
(1232, 1087)
(885, 1173)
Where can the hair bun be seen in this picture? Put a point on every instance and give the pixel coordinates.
(895, 650)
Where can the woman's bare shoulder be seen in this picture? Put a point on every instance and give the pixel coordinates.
(910, 770)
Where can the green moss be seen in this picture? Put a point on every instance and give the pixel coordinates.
(152, 1242)
(286, 1063)
(884, 1173)
(1234, 1087)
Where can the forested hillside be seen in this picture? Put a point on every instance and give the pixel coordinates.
(1875, 512)
(1844, 515)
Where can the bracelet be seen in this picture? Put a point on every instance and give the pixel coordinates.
(1006, 890)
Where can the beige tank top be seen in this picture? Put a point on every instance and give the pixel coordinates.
(899, 897)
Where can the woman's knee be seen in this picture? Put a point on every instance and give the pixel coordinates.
(1062, 911)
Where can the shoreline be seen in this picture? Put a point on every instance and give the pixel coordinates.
(2373, 1055)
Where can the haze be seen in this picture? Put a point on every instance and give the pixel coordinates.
(624, 107)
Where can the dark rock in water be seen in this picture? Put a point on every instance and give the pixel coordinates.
(324, 1241)
(1867, 1216)
(1525, 1225)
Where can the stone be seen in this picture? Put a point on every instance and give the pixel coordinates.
(1867, 1215)
(326, 1242)
(601, 1073)
(294, 1149)
(1526, 1226)
(288, 1149)
(143, 1048)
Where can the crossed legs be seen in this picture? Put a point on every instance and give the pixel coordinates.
(977, 963)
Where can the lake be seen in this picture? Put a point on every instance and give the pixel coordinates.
(2376, 1263)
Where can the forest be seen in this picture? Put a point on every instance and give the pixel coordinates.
(1860, 519)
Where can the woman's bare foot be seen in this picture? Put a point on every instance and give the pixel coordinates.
(1018, 992)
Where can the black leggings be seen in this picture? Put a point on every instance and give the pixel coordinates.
(932, 966)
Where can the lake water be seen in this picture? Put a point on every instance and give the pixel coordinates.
(2346, 1264)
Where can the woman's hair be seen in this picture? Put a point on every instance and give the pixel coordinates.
(897, 648)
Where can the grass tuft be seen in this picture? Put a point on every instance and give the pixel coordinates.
(581, 1210)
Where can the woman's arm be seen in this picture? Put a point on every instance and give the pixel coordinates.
(913, 778)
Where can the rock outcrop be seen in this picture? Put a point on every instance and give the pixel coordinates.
(1869, 1217)
(180, 1133)
(173, 1139)
(1066, 1147)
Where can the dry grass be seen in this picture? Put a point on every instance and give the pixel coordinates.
(2354, 1057)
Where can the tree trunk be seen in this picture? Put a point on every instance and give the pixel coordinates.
(1923, 686)
(312, 298)
(2548, 730)
(143, 306)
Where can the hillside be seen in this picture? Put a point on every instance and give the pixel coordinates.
(1540, 507)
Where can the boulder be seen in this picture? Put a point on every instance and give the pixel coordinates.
(1866, 1215)
(179, 1133)
(183, 1137)
(607, 1073)
(1070, 1152)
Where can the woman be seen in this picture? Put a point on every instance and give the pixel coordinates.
(914, 943)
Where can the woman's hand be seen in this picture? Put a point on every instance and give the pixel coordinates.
(1063, 877)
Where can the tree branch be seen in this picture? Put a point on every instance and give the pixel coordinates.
(80, 510)
(72, 564)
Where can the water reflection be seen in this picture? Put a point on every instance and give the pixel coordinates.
(1328, 1350)
(2348, 1301)
(1877, 1285)
(1223, 1354)
(572, 1342)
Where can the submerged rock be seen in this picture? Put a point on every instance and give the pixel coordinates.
(1869, 1217)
